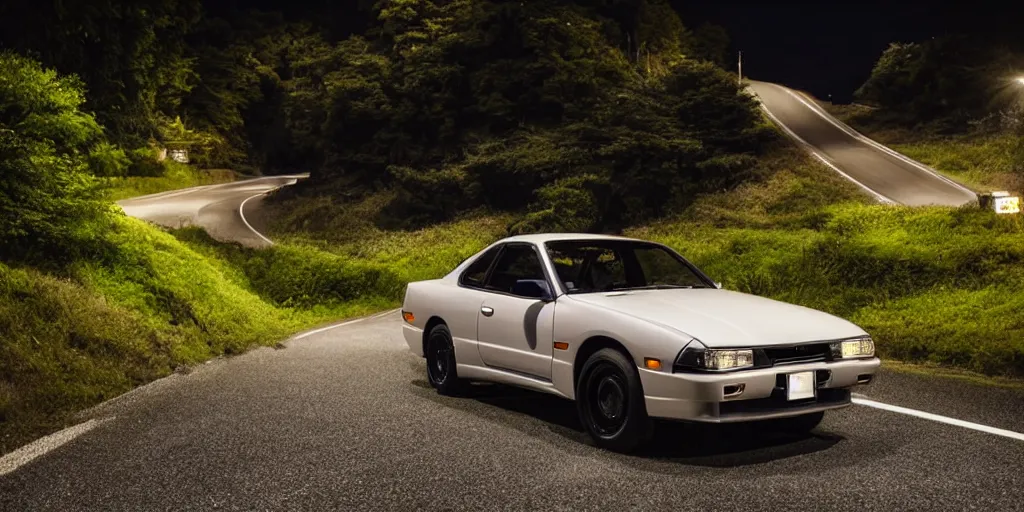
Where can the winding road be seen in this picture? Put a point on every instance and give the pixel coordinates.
(887, 175)
(226, 211)
(342, 418)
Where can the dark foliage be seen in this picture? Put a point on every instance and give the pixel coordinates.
(586, 120)
(948, 82)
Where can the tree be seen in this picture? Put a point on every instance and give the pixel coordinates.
(47, 148)
(710, 42)
(946, 81)
(130, 54)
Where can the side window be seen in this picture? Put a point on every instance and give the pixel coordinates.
(476, 272)
(518, 272)
(587, 268)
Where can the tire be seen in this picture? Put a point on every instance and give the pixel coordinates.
(610, 401)
(442, 372)
(798, 424)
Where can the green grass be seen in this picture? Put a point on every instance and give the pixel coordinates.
(982, 161)
(152, 303)
(348, 229)
(176, 176)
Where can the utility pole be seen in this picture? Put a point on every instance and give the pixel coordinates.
(740, 67)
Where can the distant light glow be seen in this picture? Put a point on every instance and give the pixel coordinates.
(1019, 80)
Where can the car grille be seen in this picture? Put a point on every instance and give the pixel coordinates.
(809, 353)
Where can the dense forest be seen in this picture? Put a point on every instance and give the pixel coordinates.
(950, 83)
(582, 115)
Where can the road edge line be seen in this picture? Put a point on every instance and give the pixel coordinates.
(329, 327)
(241, 213)
(938, 418)
(877, 145)
(32, 451)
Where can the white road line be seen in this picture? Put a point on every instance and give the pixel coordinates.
(39, 447)
(241, 208)
(821, 157)
(938, 418)
(386, 313)
(241, 213)
(329, 327)
(861, 137)
(343, 324)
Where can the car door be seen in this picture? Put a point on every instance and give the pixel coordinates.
(461, 306)
(516, 317)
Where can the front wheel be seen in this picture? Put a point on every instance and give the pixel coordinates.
(610, 401)
(441, 370)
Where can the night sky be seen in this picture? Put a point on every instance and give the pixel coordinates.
(824, 47)
(830, 48)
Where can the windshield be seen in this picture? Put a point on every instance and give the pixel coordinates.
(588, 266)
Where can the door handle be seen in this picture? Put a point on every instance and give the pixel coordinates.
(487, 311)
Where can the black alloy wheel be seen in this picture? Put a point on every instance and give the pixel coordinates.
(441, 370)
(610, 401)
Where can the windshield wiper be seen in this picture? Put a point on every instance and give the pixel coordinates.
(658, 287)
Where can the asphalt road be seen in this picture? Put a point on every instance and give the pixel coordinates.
(216, 208)
(344, 419)
(888, 175)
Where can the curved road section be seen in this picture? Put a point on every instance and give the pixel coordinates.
(224, 211)
(884, 173)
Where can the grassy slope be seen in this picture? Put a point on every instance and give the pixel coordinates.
(177, 176)
(934, 285)
(982, 162)
(161, 301)
(349, 230)
(157, 302)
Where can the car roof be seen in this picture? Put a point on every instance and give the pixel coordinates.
(550, 237)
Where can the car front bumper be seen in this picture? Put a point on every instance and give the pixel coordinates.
(703, 396)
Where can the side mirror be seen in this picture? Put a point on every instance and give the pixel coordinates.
(532, 288)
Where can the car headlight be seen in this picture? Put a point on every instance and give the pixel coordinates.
(849, 349)
(698, 357)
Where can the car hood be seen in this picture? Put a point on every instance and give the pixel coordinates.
(722, 318)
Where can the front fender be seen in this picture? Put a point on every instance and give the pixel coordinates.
(577, 323)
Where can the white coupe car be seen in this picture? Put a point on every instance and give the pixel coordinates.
(630, 330)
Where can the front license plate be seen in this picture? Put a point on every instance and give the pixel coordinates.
(800, 386)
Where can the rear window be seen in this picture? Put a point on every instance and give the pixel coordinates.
(475, 274)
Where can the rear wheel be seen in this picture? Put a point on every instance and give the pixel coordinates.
(610, 401)
(441, 370)
(798, 424)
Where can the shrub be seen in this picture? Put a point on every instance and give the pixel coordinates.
(144, 163)
(47, 144)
